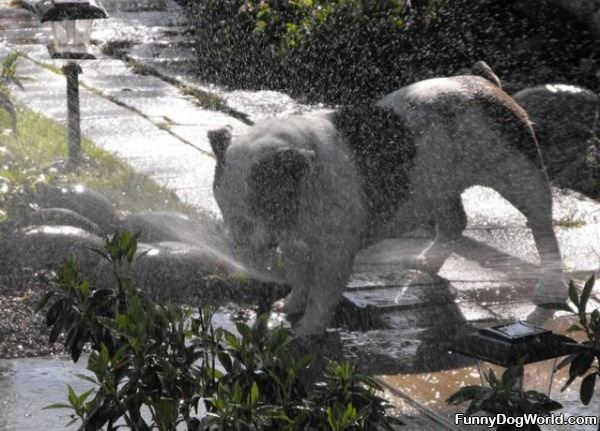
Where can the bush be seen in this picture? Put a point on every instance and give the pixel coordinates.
(349, 51)
(504, 396)
(173, 365)
(585, 363)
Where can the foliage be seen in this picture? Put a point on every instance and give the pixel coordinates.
(504, 395)
(586, 363)
(8, 74)
(171, 363)
(349, 51)
(8, 71)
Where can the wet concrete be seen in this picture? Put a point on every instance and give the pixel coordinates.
(491, 276)
(160, 38)
(28, 385)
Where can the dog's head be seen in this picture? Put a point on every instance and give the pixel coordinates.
(258, 182)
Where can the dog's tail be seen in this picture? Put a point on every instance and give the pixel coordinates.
(481, 68)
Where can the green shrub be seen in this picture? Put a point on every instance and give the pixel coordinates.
(349, 51)
(586, 363)
(171, 363)
(504, 396)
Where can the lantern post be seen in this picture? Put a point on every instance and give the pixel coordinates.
(71, 33)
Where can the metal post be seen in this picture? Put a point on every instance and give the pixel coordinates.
(72, 71)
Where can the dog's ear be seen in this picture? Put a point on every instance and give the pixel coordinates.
(220, 140)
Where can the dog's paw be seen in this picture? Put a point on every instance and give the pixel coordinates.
(430, 263)
(294, 303)
(293, 312)
(540, 315)
(306, 327)
(550, 289)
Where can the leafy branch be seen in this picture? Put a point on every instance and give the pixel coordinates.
(171, 362)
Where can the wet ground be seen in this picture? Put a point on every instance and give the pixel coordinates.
(409, 317)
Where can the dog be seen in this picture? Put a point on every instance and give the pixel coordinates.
(319, 187)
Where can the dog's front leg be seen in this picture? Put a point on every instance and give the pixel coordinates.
(297, 264)
(331, 274)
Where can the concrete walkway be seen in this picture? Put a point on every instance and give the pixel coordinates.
(142, 119)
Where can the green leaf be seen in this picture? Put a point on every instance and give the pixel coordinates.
(574, 328)
(54, 312)
(225, 360)
(167, 411)
(565, 361)
(57, 406)
(466, 394)
(331, 421)
(72, 396)
(573, 294)
(254, 394)
(83, 396)
(586, 391)
(84, 288)
(87, 378)
(43, 301)
(511, 375)
(579, 366)
(104, 354)
(349, 415)
(582, 363)
(585, 295)
(491, 378)
(102, 253)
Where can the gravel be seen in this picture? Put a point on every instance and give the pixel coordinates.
(23, 333)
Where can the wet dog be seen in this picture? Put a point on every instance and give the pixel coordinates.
(320, 187)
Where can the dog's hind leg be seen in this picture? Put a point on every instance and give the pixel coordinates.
(448, 223)
(527, 188)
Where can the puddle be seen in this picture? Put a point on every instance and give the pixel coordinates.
(432, 389)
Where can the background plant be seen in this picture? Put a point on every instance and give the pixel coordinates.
(159, 366)
(349, 51)
(586, 363)
(9, 75)
(506, 396)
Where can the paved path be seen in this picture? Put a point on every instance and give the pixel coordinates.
(161, 132)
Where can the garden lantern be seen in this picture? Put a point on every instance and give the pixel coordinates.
(71, 29)
(504, 346)
(71, 26)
